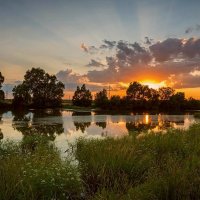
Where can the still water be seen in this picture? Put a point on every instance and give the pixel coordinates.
(62, 126)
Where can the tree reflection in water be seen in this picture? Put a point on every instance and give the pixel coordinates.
(27, 123)
(86, 113)
(82, 126)
(1, 133)
(101, 124)
(139, 127)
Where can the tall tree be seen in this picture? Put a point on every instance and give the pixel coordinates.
(40, 89)
(137, 91)
(82, 96)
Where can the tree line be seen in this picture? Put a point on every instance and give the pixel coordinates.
(138, 97)
(40, 89)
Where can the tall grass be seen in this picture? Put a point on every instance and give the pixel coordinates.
(34, 170)
(156, 166)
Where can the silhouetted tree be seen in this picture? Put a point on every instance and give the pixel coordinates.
(153, 101)
(2, 95)
(138, 95)
(22, 95)
(137, 91)
(115, 101)
(177, 101)
(192, 104)
(39, 89)
(82, 97)
(101, 99)
(165, 93)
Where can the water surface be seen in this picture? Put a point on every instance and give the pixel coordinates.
(65, 126)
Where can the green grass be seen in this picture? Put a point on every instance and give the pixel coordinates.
(34, 170)
(157, 166)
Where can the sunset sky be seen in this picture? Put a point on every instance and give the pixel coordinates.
(103, 42)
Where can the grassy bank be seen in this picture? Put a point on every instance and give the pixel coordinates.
(151, 167)
(34, 170)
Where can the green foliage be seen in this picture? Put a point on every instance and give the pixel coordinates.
(39, 89)
(152, 166)
(82, 97)
(101, 99)
(38, 174)
(21, 94)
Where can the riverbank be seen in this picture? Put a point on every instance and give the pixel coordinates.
(148, 166)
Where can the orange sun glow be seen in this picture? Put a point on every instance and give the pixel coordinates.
(153, 84)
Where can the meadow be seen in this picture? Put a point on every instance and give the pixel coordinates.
(147, 166)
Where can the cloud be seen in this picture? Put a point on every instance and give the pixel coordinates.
(148, 41)
(94, 63)
(191, 48)
(84, 47)
(195, 73)
(191, 29)
(184, 81)
(166, 49)
(88, 49)
(108, 44)
(72, 80)
(161, 61)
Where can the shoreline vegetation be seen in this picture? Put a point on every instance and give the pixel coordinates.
(147, 166)
(41, 90)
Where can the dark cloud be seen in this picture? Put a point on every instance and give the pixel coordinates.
(72, 80)
(128, 54)
(94, 63)
(166, 49)
(191, 48)
(185, 81)
(148, 41)
(163, 60)
(191, 29)
(108, 44)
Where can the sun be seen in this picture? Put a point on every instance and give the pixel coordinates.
(153, 84)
